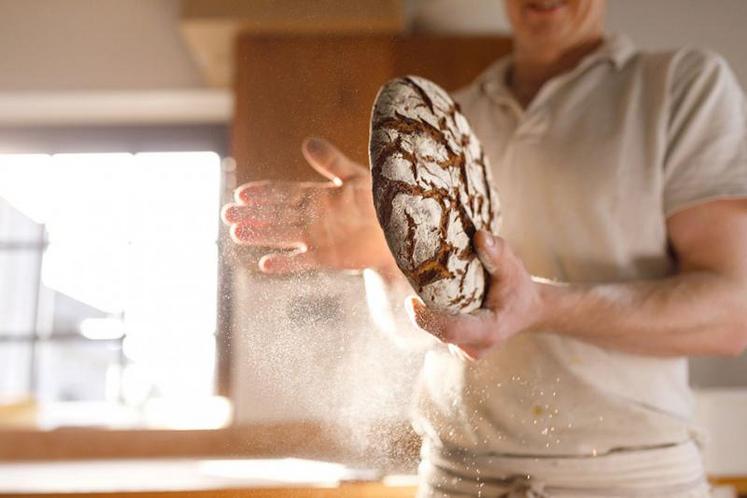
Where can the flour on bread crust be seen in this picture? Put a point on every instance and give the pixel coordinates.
(432, 191)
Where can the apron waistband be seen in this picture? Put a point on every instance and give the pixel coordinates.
(665, 471)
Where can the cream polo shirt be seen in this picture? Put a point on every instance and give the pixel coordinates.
(587, 176)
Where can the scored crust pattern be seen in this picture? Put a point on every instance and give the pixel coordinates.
(432, 191)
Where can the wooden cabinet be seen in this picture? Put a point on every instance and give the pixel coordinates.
(288, 87)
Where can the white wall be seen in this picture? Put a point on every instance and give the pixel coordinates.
(62, 45)
(656, 24)
(100, 62)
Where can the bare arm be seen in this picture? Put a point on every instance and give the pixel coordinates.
(702, 310)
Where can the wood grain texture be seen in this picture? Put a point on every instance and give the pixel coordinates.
(450, 61)
(358, 490)
(291, 87)
(739, 483)
(301, 439)
(288, 87)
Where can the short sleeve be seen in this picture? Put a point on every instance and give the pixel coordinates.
(706, 149)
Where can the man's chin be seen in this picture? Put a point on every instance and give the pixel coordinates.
(546, 38)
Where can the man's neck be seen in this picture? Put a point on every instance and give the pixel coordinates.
(532, 68)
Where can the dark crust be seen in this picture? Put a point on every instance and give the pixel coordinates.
(458, 200)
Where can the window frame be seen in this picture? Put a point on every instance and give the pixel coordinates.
(131, 138)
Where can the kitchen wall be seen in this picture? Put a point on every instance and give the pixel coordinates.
(674, 23)
(49, 45)
(99, 62)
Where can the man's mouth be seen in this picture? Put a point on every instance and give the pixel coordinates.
(545, 6)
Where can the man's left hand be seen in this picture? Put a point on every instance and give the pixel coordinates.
(513, 304)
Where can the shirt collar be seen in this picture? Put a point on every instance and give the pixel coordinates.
(616, 48)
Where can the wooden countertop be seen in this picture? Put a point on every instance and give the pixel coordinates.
(739, 483)
(345, 491)
(211, 478)
(235, 478)
(311, 440)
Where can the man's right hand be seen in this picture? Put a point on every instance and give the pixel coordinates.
(332, 224)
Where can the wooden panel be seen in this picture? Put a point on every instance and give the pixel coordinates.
(290, 87)
(88, 443)
(398, 449)
(359, 490)
(739, 483)
(452, 62)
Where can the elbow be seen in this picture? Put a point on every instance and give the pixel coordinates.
(733, 348)
(740, 344)
(735, 339)
(735, 343)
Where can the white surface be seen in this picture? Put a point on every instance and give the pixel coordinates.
(52, 45)
(115, 107)
(171, 475)
(723, 492)
(723, 414)
(664, 24)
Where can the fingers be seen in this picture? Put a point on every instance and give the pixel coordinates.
(460, 329)
(275, 214)
(265, 227)
(269, 235)
(492, 252)
(278, 193)
(282, 263)
(329, 161)
(261, 215)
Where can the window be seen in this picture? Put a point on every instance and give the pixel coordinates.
(108, 283)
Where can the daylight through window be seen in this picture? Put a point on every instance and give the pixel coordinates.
(108, 266)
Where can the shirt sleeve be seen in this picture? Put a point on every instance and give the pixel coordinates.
(706, 150)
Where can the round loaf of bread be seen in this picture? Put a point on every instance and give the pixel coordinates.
(432, 192)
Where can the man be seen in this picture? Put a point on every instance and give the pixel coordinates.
(623, 182)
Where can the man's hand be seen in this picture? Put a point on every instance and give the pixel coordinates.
(513, 304)
(329, 224)
(700, 310)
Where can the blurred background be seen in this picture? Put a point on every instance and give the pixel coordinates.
(131, 328)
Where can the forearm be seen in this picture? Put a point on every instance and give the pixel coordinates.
(696, 313)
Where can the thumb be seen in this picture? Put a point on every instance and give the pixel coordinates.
(492, 251)
(329, 161)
